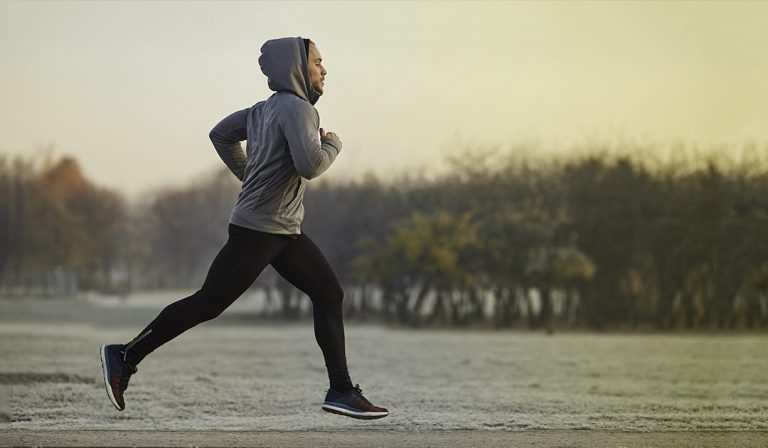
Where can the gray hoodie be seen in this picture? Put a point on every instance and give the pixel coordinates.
(283, 143)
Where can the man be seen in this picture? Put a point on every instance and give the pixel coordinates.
(283, 152)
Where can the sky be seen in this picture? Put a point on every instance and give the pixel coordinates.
(131, 89)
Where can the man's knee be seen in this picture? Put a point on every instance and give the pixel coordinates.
(337, 296)
(210, 313)
(206, 307)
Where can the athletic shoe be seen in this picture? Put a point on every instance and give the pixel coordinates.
(352, 404)
(116, 373)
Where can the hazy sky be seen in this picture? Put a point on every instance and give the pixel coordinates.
(132, 88)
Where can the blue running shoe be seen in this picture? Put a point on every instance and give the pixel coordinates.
(116, 373)
(352, 404)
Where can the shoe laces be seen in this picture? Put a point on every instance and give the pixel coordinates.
(359, 392)
(125, 375)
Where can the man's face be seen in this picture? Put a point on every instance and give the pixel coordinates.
(316, 70)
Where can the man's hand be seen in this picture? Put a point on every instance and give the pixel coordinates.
(329, 136)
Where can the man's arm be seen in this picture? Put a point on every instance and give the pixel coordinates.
(311, 157)
(226, 137)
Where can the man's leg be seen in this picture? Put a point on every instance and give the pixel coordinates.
(303, 264)
(237, 265)
(239, 262)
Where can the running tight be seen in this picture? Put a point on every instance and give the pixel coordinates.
(244, 256)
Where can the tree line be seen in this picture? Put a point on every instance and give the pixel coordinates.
(595, 240)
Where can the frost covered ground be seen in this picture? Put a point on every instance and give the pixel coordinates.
(241, 373)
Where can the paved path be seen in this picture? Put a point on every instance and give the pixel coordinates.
(377, 438)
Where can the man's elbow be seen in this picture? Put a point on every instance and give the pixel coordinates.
(310, 172)
(214, 136)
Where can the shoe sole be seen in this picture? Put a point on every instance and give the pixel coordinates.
(347, 413)
(111, 396)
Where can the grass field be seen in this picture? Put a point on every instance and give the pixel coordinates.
(238, 373)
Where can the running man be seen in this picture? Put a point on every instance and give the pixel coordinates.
(283, 150)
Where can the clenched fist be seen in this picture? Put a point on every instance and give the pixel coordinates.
(330, 136)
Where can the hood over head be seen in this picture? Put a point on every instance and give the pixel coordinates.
(284, 62)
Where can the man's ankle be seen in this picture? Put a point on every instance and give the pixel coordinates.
(342, 387)
(129, 359)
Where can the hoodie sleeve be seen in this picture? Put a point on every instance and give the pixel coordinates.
(226, 137)
(300, 125)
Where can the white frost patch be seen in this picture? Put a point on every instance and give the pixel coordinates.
(257, 376)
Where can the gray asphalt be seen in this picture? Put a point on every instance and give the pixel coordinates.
(378, 438)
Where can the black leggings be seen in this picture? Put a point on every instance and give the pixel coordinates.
(246, 253)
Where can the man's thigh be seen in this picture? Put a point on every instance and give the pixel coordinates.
(239, 263)
(304, 265)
